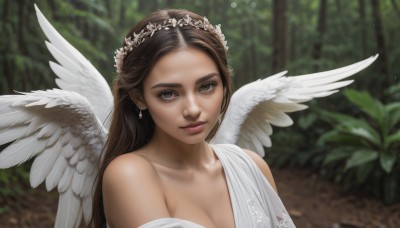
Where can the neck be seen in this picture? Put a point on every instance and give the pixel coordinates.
(169, 152)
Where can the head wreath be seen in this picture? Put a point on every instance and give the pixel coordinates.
(133, 42)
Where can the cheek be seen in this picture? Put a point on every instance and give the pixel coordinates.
(215, 103)
(159, 111)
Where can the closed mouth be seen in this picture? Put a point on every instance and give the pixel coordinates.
(194, 124)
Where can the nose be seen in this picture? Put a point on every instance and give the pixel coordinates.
(191, 109)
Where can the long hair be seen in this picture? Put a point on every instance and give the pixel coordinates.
(127, 132)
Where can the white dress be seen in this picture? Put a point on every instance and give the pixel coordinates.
(254, 201)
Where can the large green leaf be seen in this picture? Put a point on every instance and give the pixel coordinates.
(333, 117)
(393, 138)
(335, 136)
(361, 129)
(387, 161)
(393, 115)
(368, 104)
(361, 157)
(337, 154)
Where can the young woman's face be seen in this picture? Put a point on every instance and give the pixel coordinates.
(183, 94)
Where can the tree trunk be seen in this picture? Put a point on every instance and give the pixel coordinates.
(109, 7)
(146, 6)
(53, 7)
(122, 12)
(321, 28)
(207, 7)
(21, 42)
(247, 72)
(292, 51)
(380, 41)
(253, 51)
(361, 4)
(339, 7)
(279, 25)
(6, 62)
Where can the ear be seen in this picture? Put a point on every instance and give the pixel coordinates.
(137, 98)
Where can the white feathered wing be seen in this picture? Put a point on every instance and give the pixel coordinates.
(58, 128)
(65, 130)
(262, 103)
(76, 73)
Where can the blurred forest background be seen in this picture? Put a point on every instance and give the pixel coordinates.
(351, 138)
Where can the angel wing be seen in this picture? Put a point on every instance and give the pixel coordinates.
(62, 129)
(75, 72)
(262, 103)
(58, 128)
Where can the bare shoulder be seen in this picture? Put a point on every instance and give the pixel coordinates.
(132, 192)
(263, 166)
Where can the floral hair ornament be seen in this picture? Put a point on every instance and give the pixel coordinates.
(150, 29)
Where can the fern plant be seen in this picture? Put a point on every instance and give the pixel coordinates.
(366, 149)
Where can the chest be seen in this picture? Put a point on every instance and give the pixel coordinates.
(202, 198)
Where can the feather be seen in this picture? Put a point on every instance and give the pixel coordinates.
(15, 117)
(36, 123)
(42, 165)
(63, 59)
(68, 209)
(63, 74)
(82, 166)
(78, 181)
(20, 151)
(10, 134)
(56, 172)
(66, 179)
(88, 186)
(87, 208)
(74, 159)
(55, 137)
(48, 130)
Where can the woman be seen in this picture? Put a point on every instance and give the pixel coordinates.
(172, 90)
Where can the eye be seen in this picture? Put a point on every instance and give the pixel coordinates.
(208, 87)
(167, 95)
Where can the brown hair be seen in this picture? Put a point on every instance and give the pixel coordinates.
(127, 133)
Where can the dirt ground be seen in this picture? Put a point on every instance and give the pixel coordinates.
(311, 201)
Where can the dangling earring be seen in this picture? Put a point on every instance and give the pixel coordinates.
(140, 114)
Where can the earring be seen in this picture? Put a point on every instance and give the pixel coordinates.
(140, 114)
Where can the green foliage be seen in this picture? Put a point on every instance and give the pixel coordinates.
(12, 183)
(293, 146)
(366, 147)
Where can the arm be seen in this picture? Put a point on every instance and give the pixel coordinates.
(263, 166)
(132, 192)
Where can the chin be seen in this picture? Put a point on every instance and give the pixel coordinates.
(193, 139)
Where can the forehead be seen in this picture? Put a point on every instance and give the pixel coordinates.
(181, 66)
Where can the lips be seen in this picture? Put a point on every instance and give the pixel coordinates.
(195, 124)
(195, 127)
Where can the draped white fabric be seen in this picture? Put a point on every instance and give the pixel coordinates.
(171, 223)
(254, 201)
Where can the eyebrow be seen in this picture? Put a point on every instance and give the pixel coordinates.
(198, 81)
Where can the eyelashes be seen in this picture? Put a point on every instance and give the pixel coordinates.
(170, 95)
(208, 87)
(167, 95)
